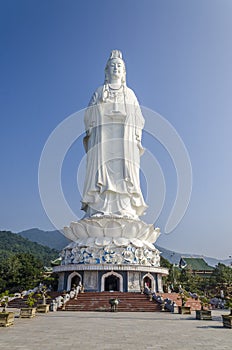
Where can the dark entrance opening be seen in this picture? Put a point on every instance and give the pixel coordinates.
(112, 283)
(147, 282)
(75, 281)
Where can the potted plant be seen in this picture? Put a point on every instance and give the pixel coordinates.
(183, 309)
(204, 313)
(227, 319)
(44, 307)
(6, 317)
(29, 312)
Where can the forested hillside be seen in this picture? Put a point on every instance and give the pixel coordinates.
(11, 243)
(22, 262)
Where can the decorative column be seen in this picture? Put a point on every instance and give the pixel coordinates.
(61, 282)
(160, 283)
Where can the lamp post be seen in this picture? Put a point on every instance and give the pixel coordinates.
(173, 270)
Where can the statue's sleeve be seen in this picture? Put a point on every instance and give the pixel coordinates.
(139, 124)
(89, 114)
(138, 117)
(90, 118)
(139, 120)
(94, 99)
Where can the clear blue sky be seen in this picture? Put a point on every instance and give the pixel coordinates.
(179, 63)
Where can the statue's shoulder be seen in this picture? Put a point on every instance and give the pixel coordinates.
(129, 91)
(130, 94)
(97, 96)
(99, 90)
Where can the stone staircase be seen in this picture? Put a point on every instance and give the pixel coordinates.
(99, 301)
(19, 303)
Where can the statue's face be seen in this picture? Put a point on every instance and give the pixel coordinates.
(116, 68)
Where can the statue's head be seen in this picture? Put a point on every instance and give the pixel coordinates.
(115, 60)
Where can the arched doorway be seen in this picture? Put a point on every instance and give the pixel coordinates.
(111, 283)
(149, 281)
(73, 279)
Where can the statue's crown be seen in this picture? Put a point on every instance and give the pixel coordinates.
(115, 54)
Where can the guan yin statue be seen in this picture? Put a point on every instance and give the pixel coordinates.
(112, 249)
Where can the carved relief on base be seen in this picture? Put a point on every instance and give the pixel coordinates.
(75, 253)
(134, 281)
(90, 280)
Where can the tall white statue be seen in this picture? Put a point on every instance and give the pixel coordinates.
(111, 231)
(114, 124)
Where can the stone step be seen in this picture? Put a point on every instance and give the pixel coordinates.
(95, 301)
(19, 303)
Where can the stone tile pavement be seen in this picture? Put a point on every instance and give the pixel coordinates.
(116, 331)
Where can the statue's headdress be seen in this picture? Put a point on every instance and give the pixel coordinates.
(115, 54)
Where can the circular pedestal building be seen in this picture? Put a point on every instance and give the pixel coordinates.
(120, 258)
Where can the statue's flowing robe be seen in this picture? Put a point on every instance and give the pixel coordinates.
(113, 146)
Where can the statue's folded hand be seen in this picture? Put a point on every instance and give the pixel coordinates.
(140, 147)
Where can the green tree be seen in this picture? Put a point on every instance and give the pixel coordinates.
(221, 279)
(164, 262)
(174, 277)
(19, 272)
(21, 262)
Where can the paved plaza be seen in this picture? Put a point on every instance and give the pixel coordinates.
(116, 331)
